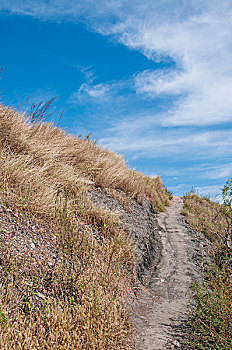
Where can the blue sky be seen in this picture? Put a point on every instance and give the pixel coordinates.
(150, 80)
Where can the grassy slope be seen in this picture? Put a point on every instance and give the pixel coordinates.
(45, 177)
(212, 309)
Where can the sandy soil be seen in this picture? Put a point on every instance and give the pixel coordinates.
(161, 313)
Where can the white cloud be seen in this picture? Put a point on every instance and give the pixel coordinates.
(88, 73)
(221, 171)
(94, 91)
(213, 192)
(201, 47)
(196, 35)
(103, 94)
(132, 138)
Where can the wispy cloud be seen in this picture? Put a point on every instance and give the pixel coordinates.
(105, 94)
(93, 91)
(196, 36)
(202, 78)
(88, 73)
(212, 191)
(128, 137)
(218, 172)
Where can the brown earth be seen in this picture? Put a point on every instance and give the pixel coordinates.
(161, 311)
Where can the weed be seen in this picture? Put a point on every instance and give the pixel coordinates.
(3, 318)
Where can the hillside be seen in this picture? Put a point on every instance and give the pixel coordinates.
(211, 315)
(76, 233)
(95, 255)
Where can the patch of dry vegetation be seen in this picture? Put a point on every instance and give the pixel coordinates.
(74, 301)
(212, 315)
(206, 216)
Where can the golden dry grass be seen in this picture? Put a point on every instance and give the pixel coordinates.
(212, 301)
(45, 178)
(47, 151)
(205, 216)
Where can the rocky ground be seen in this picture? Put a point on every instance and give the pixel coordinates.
(22, 236)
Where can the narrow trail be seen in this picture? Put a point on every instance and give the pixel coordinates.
(162, 307)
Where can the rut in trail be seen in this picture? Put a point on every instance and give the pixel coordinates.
(162, 307)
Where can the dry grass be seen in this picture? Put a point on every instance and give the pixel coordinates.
(206, 216)
(76, 302)
(49, 151)
(212, 301)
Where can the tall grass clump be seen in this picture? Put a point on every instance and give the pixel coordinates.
(71, 294)
(211, 313)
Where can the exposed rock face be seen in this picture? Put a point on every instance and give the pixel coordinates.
(141, 222)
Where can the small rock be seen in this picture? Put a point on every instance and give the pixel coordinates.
(40, 295)
(176, 343)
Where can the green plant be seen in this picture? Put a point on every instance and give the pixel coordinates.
(211, 312)
(169, 193)
(227, 208)
(227, 193)
(3, 318)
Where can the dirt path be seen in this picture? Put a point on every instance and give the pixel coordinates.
(162, 308)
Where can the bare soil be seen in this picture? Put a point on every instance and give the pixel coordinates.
(161, 312)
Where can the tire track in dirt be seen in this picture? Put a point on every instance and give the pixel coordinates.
(162, 307)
